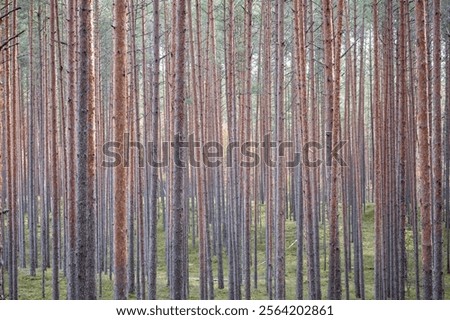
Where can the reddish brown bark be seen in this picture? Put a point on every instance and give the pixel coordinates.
(423, 159)
(120, 177)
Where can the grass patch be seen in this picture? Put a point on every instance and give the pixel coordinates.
(31, 288)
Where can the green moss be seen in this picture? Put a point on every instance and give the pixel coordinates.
(31, 287)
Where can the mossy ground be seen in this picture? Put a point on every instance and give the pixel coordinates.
(31, 287)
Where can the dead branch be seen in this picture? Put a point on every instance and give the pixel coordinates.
(9, 12)
(10, 39)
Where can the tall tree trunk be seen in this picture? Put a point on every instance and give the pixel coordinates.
(299, 9)
(379, 294)
(85, 214)
(32, 212)
(403, 112)
(280, 185)
(120, 174)
(423, 159)
(266, 135)
(71, 106)
(437, 156)
(447, 150)
(234, 290)
(332, 93)
(246, 135)
(177, 273)
(55, 193)
(315, 184)
(11, 106)
(143, 194)
(155, 137)
(197, 76)
(2, 187)
(132, 164)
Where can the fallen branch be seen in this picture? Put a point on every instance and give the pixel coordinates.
(292, 244)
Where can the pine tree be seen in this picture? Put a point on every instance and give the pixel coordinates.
(177, 275)
(85, 214)
(120, 175)
(423, 160)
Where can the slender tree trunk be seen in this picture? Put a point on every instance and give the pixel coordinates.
(246, 130)
(423, 159)
(86, 158)
(234, 291)
(11, 105)
(299, 9)
(142, 171)
(55, 193)
(403, 105)
(2, 187)
(120, 174)
(315, 185)
(131, 102)
(177, 274)
(438, 290)
(280, 185)
(71, 103)
(218, 136)
(266, 135)
(447, 150)
(379, 285)
(32, 214)
(155, 137)
(332, 92)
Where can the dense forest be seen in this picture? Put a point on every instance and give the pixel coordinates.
(224, 149)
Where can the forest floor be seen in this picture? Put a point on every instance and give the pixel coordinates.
(31, 287)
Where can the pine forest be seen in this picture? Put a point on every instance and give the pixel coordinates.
(224, 149)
